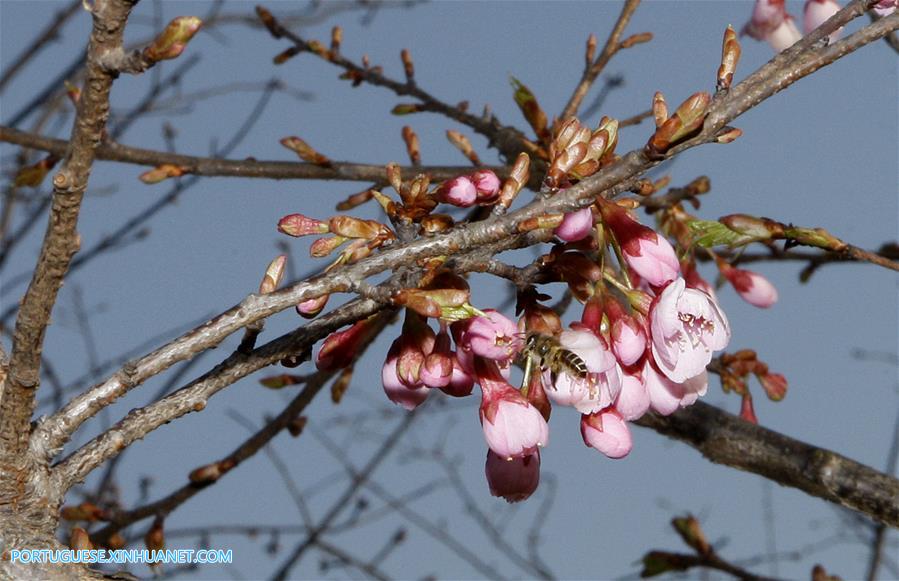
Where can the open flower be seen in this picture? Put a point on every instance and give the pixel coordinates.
(666, 396)
(607, 432)
(493, 336)
(514, 480)
(686, 327)
(599, 388)
(512, 427)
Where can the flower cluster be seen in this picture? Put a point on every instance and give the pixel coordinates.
(772, 23)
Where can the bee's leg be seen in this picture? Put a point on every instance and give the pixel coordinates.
(526, 382)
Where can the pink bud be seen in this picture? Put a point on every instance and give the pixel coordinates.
(885, 7)
(607, 432)
(575, 225)
(512, 426)
(437, 370)
(816, 12)
(394, 388)
(646, 252)
(767, 15)
(300, 225)
(461, 382)
(774, 384)
(628, 335)
(494, 336)
(312, 307)
(633, 399)
(416, 343)
(458, 191)
(785, 35)
(752, 287)
(487, 184)
(339, 348)
(514, 480)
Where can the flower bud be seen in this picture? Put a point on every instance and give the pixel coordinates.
(300, 225)
(396, 390)
(513, 480)
(730, 56)
(512, 427)
(646, 252)
(464, 145)
(575, 225)
(752, 287)
(81, 541)
(325, 246)
(305, 151)
(686, 121)
(461, 382)
(162, 172)
(518, 178)
(459, 191)
(436, 223)
(173, 40)
(273, 275)
(340, 348)
(437, 370)
(607, 432)
(312, 307)
(633, 400)
(487, 184)
(349, 227)
(816, 12)
(774, 384)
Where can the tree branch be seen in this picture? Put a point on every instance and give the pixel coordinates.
(61, 240)
(771, 78)
(592, 71)
(246, 168)
(726, 439)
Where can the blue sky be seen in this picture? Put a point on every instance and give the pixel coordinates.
(823, 153)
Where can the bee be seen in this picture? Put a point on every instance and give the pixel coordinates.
(545, 352)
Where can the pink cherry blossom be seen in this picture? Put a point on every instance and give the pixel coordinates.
(666, 395)
(487, 185)
(785, 35)
(603, 382)
(397, 392)
(459, 191)
(575, 225)
(646, 252)
(514, 480)
(633, 399)
(512, 427)
(607, 432)
(493, 336)
(752, 287)
(687, 326)
(885, 7)
(767, 15)
(816, 12)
